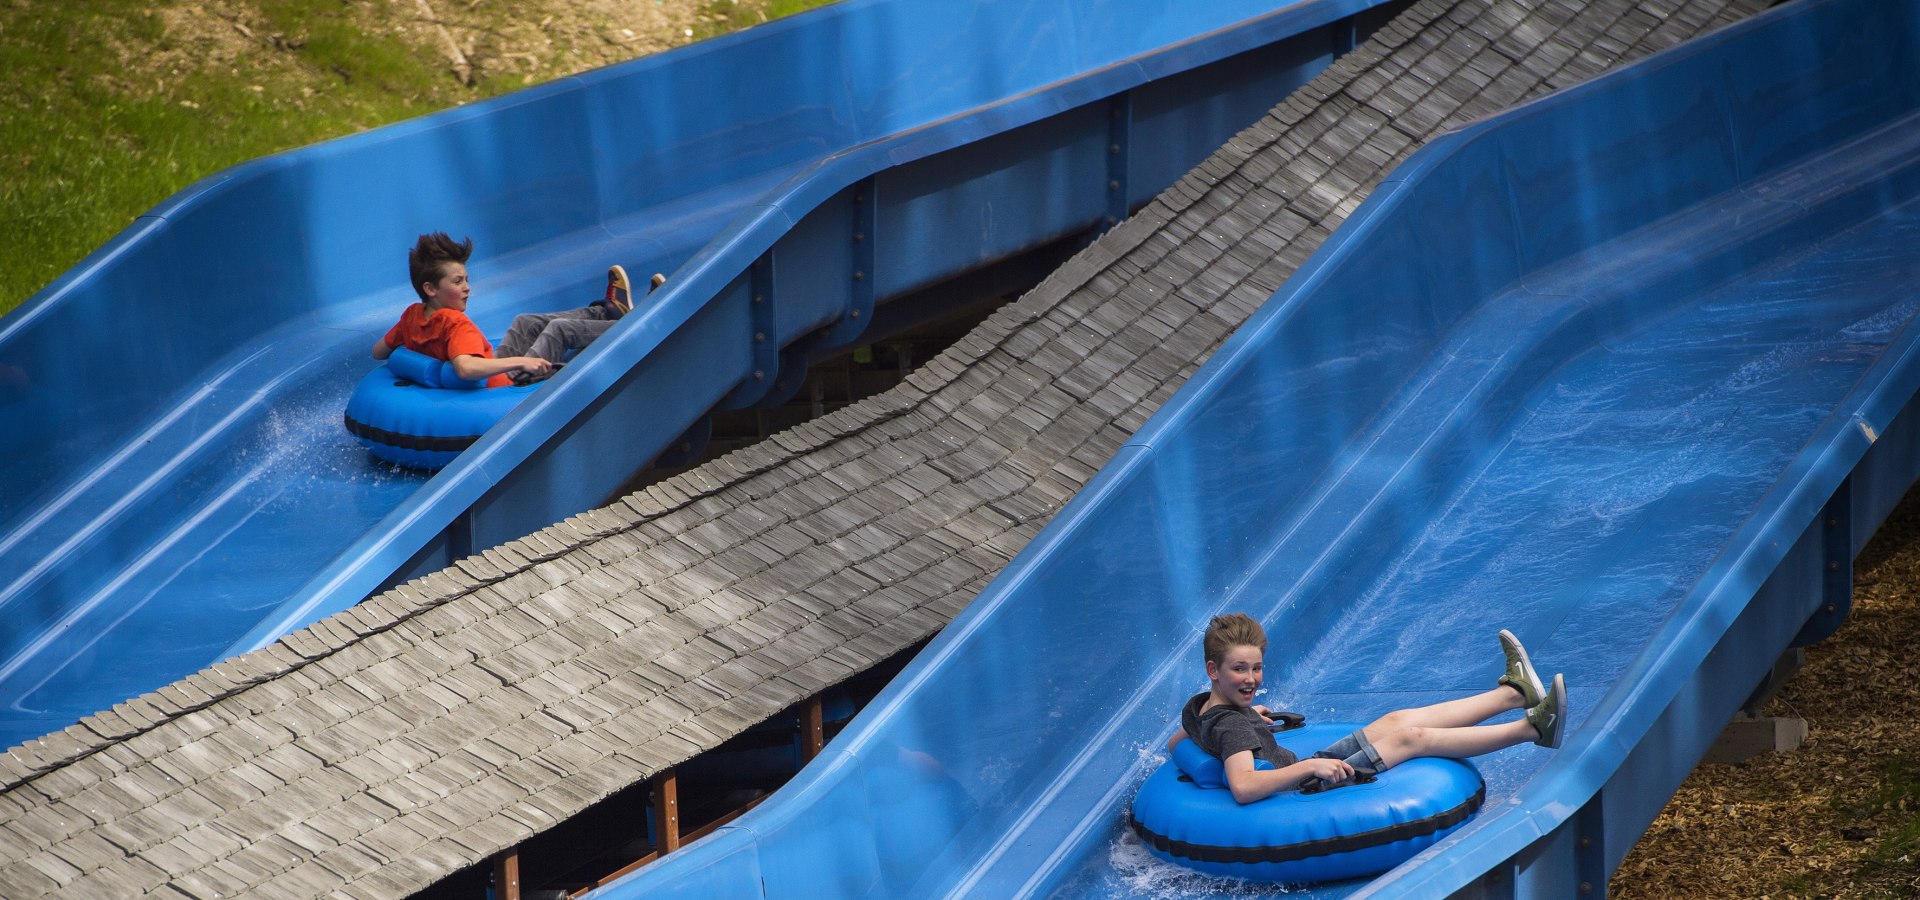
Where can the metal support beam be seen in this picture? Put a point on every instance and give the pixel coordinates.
(860, 296)
(1589, 847)
(685, 449)
(1777, 676)
(460, 536)
(1836, 577)
(1496, 884)
(1346, 36)
(1119, 152)
(765, 347)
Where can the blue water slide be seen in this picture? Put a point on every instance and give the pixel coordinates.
(1627, 370)
(179, 485)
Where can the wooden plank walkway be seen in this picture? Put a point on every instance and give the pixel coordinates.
(451, 718)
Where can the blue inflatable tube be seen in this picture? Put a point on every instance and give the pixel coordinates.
(416, 412)
(1186, 816)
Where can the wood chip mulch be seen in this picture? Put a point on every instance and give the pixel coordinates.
(1840, 817)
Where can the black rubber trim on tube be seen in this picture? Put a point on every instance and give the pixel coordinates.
(1346, 843)
(409, 441)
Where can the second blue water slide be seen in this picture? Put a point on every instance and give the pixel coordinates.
(1628, 371)
(178, 484)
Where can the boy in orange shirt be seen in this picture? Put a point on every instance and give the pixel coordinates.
(1226, 723)
(536, 343)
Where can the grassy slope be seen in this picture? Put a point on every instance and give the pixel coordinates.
(105, 111)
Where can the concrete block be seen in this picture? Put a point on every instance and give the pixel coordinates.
(1749, 736)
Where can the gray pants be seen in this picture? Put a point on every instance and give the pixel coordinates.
(551, 336)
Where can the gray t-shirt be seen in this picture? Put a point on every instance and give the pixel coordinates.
(1225, 730)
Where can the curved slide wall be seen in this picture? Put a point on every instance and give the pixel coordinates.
(179, 487)
(1627, 370)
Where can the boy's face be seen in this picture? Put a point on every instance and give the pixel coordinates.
(1237, 677)
(452, 290)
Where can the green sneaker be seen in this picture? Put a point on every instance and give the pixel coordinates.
(1550, 715)
(1520, 675)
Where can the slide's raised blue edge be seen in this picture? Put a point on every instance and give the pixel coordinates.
(1801, 79)
(892, 137)
(1792, 83)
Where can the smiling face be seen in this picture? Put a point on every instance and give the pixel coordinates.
(1236, 676)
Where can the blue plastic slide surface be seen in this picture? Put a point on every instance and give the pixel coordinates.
(178, 484)
(1590, 371)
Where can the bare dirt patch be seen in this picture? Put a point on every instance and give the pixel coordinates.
(512, 43)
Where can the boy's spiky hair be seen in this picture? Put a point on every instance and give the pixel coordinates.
(428, 259)
(1229, 631)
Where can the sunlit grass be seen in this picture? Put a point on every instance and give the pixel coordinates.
(88, 143)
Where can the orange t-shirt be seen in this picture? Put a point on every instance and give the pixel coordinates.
(444, 335)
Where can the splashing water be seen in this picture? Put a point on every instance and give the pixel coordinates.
(306, 435)
(1142, 874)
(1136, 872)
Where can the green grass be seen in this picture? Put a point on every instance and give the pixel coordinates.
(87, 149)
(728, 15)
(89, 143)
(1894, 805)
(1885, 809)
